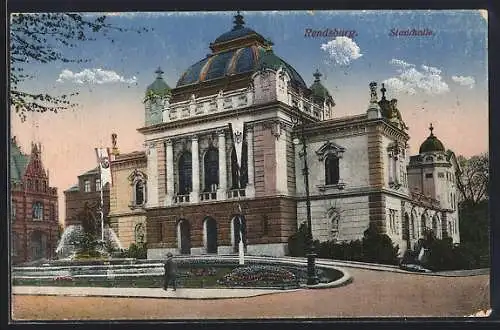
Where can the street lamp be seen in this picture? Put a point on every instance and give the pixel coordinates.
(311, 256)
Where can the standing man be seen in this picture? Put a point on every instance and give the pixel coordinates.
(170, 272)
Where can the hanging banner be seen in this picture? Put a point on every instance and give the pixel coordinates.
(104, 165)
(237, 133)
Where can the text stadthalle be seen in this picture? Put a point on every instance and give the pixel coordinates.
(411, 33)
(329, 33)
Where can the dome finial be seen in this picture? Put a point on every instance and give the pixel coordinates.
(431, 129)
(158, 72)
(383, 90)
(238, 21)
(317, 75)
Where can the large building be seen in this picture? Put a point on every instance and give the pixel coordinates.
(34, 213)
(221, 144)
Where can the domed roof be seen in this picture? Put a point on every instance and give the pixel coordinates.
(159, 86)
(238, 31)
(230, 58)
(432, 143)
(317, 88)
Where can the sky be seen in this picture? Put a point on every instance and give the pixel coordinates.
(439, 76)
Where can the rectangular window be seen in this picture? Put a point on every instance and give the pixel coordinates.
(37, 211)
(86, 186)
(332, 175)
(52, 212)
(97, 184)
(440, 175)
(428, 175)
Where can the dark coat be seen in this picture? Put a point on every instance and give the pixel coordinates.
(170, 267)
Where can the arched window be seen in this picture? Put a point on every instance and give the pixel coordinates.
(139, 192)
(435, 225)
(29, 184)
(243, 175)
(211, 169)
(331, 169)
(423, 225)
(413, 231)
(36, 185)
(185, 173)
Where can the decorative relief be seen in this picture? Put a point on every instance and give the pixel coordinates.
(330, 148)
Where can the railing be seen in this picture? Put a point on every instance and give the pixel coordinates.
(208, 104)
(236, 193)
(207, 196)
(181, 199)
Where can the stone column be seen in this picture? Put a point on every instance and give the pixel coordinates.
(195, 162)
(221, 192)
(170, 172)
(152, 184)
(250, 189)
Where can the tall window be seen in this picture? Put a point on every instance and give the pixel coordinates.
(97, 184)
(435, 226)
(37, 211)
(86, 185)
(36, 185)
(331, 170)
(185, 174)
(52, 212)
(139, 192)
(211, 167)
(243, 175)
(393, 222)
(13, 210)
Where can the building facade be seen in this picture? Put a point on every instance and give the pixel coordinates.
(86, 192)
(34, 213)
(220, 159)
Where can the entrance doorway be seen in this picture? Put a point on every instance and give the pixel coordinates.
(211, 235)
(184, 236)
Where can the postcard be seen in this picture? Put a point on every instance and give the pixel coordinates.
(249, 165)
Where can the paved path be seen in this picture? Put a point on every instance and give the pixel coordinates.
(371, 294)
(181, 293)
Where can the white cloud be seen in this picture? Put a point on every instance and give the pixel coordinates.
(411, 80)
(464, 81)
(342, 50)
(94, 76)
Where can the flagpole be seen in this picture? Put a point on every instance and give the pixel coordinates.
(102, 206)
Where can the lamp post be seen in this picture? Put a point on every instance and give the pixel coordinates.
(311, 256)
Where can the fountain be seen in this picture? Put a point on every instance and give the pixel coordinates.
(73, 241)
(81, 240)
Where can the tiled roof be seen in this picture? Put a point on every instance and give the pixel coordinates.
(18, 162)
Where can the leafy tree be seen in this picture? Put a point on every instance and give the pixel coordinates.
(472, 182)
(42, 38)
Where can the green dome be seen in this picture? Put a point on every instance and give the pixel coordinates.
(18, 162)
(432, 143)
(318, 90)
(159, 86)
(270, 61)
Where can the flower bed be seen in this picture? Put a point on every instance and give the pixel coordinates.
(260, 275)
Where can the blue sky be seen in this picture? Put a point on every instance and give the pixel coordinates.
(440, 78)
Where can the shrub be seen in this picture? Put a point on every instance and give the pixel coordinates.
(297, 243)
(379, 248)
(374, 247)
(137, 251)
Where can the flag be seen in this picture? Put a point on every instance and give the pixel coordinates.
(103, 160)
(237, 129)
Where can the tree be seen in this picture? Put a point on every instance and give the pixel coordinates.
(42, 38)
(472, 182)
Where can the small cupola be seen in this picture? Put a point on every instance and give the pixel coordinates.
(432, 143)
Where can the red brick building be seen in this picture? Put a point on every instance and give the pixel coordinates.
(34, 215)
(87, 190)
